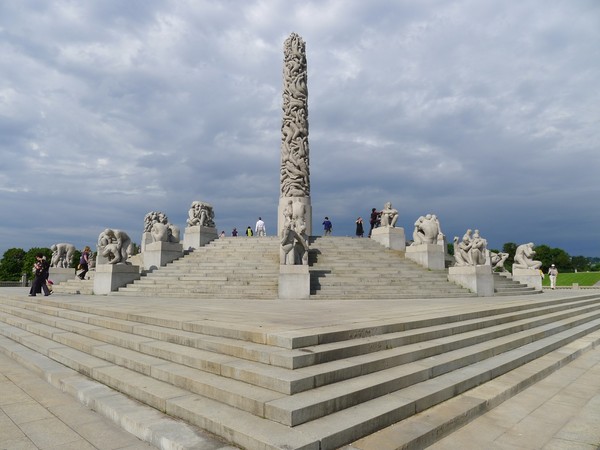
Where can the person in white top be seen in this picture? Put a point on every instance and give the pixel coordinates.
(552, 274)
(260, 228)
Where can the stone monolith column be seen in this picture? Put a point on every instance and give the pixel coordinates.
(294, 200)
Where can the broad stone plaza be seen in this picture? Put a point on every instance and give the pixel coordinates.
(295, 341)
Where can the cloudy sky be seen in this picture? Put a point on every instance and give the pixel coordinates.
(485, 113)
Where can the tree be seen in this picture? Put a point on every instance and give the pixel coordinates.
(556, 256)
(511, 249)
(581, 263)
(29, 260)
(11, 265)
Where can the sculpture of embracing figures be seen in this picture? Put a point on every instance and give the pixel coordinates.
(471, 250)
(115, 245)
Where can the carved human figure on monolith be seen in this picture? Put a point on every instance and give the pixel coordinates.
(524, 257)
(62, 255)
(115, 245)
(294, 128)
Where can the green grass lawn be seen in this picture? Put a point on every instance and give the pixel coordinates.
(567, 279)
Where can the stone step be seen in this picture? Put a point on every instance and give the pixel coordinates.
(339, 427)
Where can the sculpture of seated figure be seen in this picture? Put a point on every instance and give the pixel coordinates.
(478, 249)
(62, 255)
(201, 214)
(498, 260)
(461, 250)
(389, 216)
(427, 230)
(115, 245)
(524, 257)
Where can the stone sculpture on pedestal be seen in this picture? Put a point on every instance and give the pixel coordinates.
(427, 231)
(201, 214)
(471, 250)
(389, 216)
(115, 246)
(160, 230)
(62, 255)
(524, 257)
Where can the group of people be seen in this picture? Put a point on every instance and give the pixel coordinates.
(259, 230)
(41, 271)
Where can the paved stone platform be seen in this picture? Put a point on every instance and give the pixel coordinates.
(559, 412)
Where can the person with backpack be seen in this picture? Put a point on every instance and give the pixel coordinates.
(327, 226)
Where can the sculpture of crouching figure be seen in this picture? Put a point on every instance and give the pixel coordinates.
(115, 245)
(62, 255)
(524, 257)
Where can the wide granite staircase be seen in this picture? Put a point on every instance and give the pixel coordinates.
(353, 268)
(307, 388)
(340, 268)
(225, 268)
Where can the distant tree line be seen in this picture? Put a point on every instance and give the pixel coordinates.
(17, 262)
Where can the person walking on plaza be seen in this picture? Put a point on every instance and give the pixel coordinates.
(360, 230)
(552, 274)
(41, 267)
(327, 226)
(84, 262)
(260, 228)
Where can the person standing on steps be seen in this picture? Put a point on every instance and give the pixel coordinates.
(84, 262)
(374, 220)
(327, 226)
(261, 230)
(249, 232)
(360, 230)
(552, 274)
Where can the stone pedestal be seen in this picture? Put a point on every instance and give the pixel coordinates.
(59, 274)
(392, 238)
(110, 277)
(198, 236)
(294, 282)
(430, 256)
(477, 279)
(159, 254)
(146, 239)
(530, 277)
